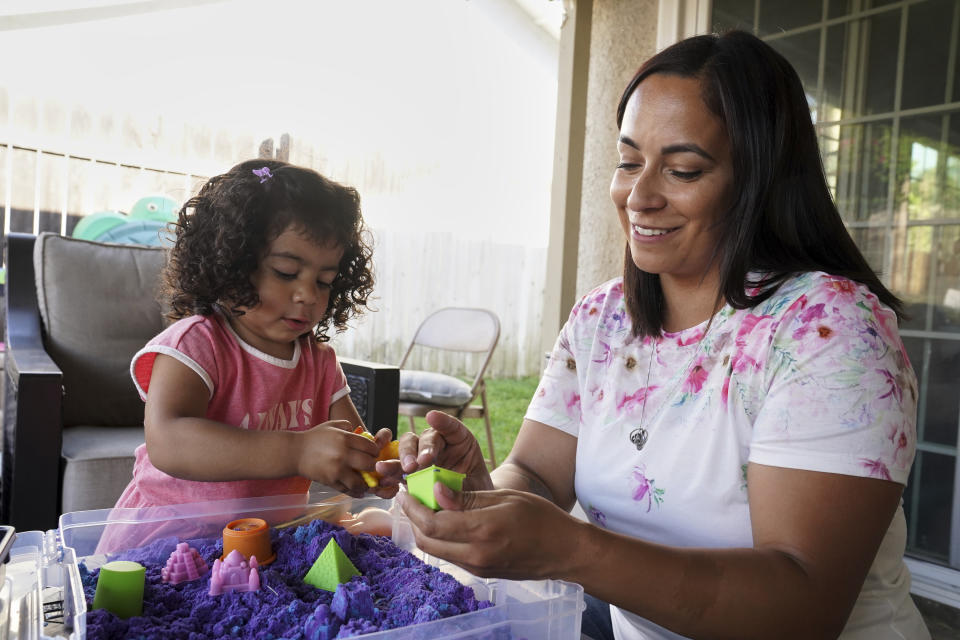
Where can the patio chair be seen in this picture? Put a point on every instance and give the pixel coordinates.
(453, 329)
(77, 311)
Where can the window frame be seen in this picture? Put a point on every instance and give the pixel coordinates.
(930, 579)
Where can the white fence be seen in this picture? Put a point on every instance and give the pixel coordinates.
(418, 272)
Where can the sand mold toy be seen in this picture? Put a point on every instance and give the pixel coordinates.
(183, 565)
(234, 574)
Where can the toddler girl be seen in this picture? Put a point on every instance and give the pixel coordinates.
(243, 396)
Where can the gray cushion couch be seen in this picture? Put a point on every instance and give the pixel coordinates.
(77, 311)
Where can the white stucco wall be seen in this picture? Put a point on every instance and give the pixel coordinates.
(623, 35)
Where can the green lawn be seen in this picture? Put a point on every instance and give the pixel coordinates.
(508, 399)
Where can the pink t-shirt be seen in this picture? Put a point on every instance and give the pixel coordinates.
(249, 389)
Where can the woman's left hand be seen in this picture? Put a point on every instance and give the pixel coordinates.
(447, 443)
(500, 533)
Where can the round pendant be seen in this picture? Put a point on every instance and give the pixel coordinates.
(639, 437)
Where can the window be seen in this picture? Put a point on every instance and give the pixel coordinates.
(883, 83)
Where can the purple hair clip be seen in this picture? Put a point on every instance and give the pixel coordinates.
(264, 174)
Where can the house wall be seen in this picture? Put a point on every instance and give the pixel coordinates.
(623, 35)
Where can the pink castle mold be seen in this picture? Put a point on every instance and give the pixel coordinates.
(184, 564)
(234, 574)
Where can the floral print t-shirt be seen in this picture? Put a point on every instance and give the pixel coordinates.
(813, 378)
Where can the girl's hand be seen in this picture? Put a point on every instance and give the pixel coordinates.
(446, 443)
(383, 438)
(496, 534)
(332, 454)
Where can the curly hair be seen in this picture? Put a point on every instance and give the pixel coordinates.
(224, 231)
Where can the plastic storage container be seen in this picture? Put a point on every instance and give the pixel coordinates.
(43, 569)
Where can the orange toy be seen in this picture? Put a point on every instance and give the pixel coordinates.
(391, 451)
(251, 537)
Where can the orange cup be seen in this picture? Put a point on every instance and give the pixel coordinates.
(251, 537)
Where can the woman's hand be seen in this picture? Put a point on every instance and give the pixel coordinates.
(330, 453)
(501, 533)
(448, 444)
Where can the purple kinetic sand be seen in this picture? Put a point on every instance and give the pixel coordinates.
(395, 590)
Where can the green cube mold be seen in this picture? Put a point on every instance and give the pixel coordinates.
(420, 483)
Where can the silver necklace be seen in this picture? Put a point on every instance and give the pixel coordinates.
(640, 434)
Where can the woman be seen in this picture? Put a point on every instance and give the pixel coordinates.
(736, 415)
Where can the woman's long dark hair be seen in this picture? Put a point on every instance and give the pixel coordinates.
(782, 220)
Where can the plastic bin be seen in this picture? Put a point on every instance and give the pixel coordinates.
(45, 563)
